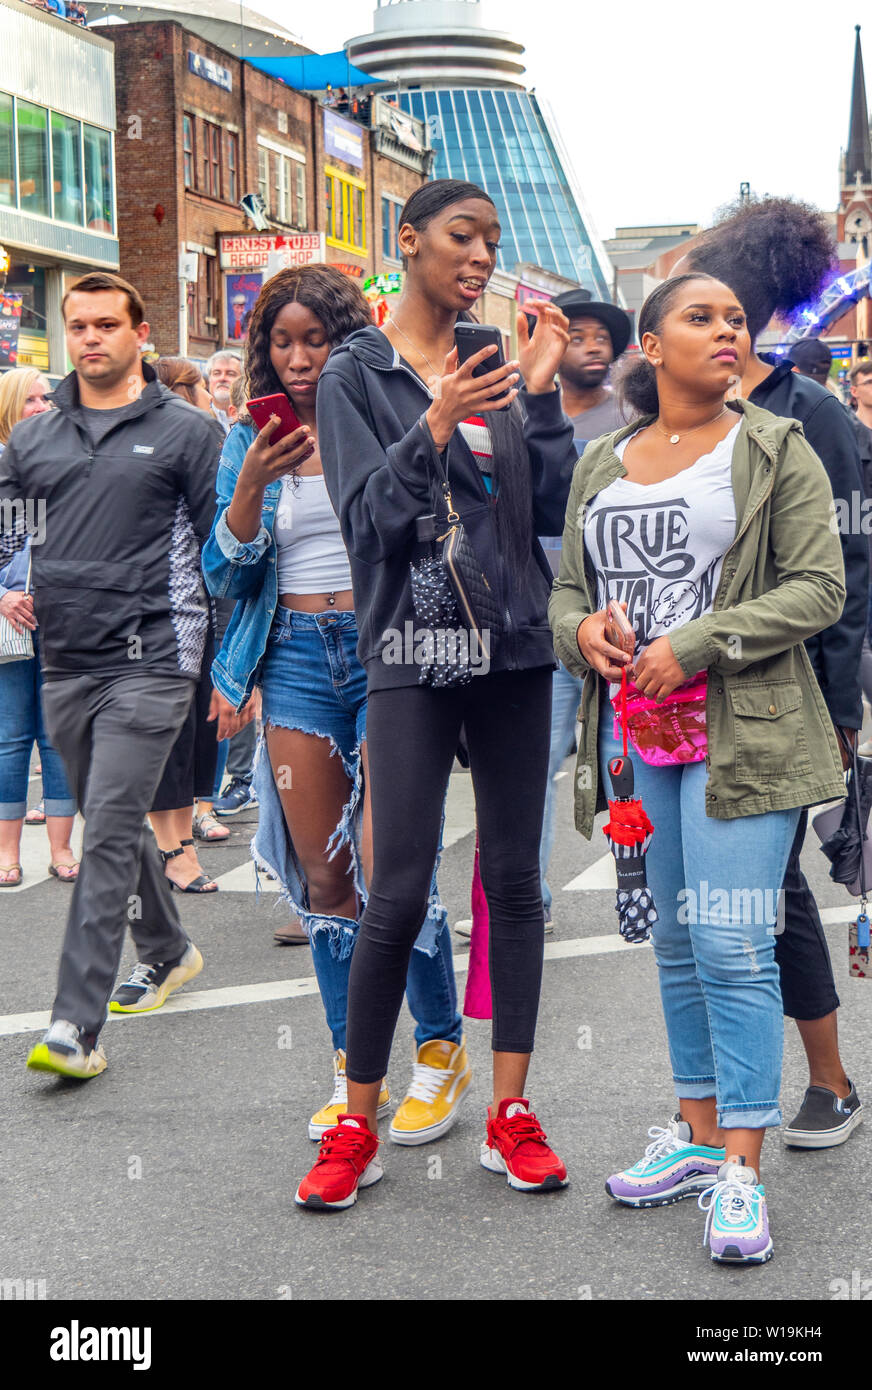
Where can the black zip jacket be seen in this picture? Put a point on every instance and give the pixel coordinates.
(381, 469)
(835, 652)
(116, 554)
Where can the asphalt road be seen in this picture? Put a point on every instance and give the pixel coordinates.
(171, 1176)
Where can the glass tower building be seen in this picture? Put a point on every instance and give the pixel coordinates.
(464, 80)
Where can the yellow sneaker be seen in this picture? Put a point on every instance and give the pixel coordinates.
(337, 1105)
(440, 1078)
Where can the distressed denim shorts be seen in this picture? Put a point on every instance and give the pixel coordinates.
(312, 680)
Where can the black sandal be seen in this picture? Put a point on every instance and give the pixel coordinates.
(197, 885)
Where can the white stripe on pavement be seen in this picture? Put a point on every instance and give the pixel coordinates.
(273, 990)
(599, 874)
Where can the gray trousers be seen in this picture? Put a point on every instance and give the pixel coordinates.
(114, 735)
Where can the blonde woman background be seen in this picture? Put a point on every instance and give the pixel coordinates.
(24, 392)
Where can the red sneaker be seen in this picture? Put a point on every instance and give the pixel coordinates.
(515, 1145)
(347, 1159)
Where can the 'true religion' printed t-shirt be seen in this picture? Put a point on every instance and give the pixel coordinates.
(660, 547)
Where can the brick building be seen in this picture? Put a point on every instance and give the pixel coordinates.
(197, 130)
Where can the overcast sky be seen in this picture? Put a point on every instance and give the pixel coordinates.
(666, 109)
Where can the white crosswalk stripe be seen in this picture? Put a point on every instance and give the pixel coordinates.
(272, 990)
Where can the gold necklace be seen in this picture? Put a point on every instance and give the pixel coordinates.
(412, 345)
(675, 438)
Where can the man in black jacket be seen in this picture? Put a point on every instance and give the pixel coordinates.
(831, 1108)
(122, 473)
(777, 254)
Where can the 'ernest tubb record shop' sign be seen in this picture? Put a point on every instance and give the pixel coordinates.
(240, 251)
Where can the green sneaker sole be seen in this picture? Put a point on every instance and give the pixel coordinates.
(41, 1058)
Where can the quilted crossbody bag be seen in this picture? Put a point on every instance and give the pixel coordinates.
(454, 601)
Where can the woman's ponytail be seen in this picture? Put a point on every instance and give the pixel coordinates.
(637, 388)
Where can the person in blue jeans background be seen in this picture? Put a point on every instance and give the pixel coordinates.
(276, 547)
(23, 394)
(598, 334)
(21, 725)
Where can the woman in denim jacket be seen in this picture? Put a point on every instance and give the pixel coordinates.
(276, 548)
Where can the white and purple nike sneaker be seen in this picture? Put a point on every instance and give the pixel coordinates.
(737, 1227)
(671, 1168)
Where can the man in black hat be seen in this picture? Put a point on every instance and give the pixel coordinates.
(598, 333)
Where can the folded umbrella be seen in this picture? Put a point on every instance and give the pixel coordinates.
(629, 834)
(844, 848)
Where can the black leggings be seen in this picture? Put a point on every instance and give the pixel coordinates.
(808, 990)
(411, 736)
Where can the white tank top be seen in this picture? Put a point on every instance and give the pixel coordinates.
(312, 558)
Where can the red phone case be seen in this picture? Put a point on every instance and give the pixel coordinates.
(262, 407)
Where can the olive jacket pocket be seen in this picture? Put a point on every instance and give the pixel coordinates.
(770, 730)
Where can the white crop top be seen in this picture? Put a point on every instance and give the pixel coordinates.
(312, 558)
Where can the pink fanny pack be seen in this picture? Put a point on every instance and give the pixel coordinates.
(673, 731)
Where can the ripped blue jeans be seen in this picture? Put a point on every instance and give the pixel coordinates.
(312, 680)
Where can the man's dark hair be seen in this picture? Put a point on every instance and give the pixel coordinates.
(97, 282)
(861, 368)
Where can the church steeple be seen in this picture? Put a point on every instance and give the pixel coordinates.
(858, 156)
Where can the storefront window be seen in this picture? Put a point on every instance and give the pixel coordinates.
(66, 168)
(98, 180)
(7, 153)
(29, 282)
(33, 157)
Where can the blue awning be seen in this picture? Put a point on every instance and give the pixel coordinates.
(315, 71)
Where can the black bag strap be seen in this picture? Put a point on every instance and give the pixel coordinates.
(442, 473)
(863, 829)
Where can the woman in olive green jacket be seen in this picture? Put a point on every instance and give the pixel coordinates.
(712, 525)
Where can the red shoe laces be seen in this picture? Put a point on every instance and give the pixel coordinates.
(522, 1128)
(343, 1141)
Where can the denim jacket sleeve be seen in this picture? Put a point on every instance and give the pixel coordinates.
(233, 568)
